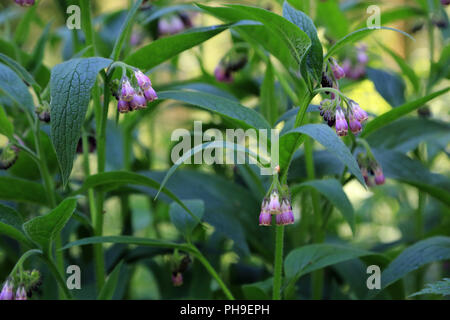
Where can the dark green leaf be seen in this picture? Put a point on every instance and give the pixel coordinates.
(11, 224)
(71, 84)
(184, 223)
(14, 88)
(332, 190)
(328, 138)
(20, 190)
(21, 71)
(43, 229)
(109, 287)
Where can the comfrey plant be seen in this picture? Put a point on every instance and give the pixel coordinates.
(91, 196)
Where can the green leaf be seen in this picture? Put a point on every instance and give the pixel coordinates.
(328, 138)
(6, 127)
(21, 71)
(162, 11)
(43, 229)
(185, 224)
(406, 69)
(395, 14)
(115, 179)
(258, 290)
(14, 88)
(242, 116)
(356, 36)
(127, 240)
(23, 28)
(108, 289)
(168, 47)
(317, 256)
(389, 85)
(332, 190)
(441, 287)
(38, 51)
(313, 62)
(277, 27)
(125, 30)
(402, 168)
(421, 253)
(11, 225)
(70, 84)
(405, 134)
(398, 112)
(269, 106)
(20, 190)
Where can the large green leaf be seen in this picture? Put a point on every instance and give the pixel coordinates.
(283, 31)
(43, 229)
(184, 223)
(70, 84)
(168, 47)
(421, 253)
(332, 190)
(389, 85)
(21, 71)
(14, 88)
(313, 62)
(441, 287)
(114, 179)
(333, 18)
(21, 190)
(11, 224)
(243, 117)
(326, 137)
(398, 112)
(356, 36)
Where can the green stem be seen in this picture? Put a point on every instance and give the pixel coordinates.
(211, 271)
(278, 263)
(59, 279)
(22, 259)
(86, 23)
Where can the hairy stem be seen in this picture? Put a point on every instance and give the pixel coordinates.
(278, 263)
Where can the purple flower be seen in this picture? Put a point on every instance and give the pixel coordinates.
(274, 204)
(21, 294)
(265, 218)
(379, 176)
(142, 80)
(150, 94)
(223, 75)
(177, 279)
(25, 3)
(445, 2)
(341, 123)
(127, 92)
(337, 70)
(355, 125)
(7, 291)
(286, 216)
(123, 106)
(138, 102)
(358, 112)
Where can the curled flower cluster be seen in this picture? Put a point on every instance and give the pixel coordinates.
(334, 113)
(8, 156)
(355, 66)
(25, 3)
(371, 170)
(131, 98)
(21, 290)
(228, 65)
(272, 206)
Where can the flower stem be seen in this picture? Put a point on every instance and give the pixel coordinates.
(211, 271)
(86, 22)
(278, 263)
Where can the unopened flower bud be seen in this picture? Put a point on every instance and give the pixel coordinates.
(223, 75)
(337, 70)
(379, 176)
(25, 3)
(177, 279)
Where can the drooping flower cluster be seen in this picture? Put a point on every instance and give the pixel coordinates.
(355, 65)
(272, 206)
(174, 23)
(370, 169)
(8, 156)
(339, 111)
(132, 98)
(25, 3)
(15, 289)
(228, 65)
